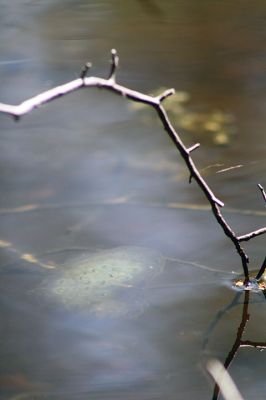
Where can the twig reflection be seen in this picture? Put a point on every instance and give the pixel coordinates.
(239, 342)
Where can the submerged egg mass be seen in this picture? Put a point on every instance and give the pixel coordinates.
(92, 281)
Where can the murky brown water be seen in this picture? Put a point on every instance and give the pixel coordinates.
(95, 174)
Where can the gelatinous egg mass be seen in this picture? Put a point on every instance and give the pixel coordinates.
(101, 282)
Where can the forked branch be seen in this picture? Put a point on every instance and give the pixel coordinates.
(156, 102)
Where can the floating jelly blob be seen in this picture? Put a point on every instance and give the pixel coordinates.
(102, 282)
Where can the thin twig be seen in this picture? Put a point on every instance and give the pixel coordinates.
(255, 345)
(186, 156)
(213, 200)
(85, 69)
(165, 94)
(156, 102)
(262, 270)
(262, 191)
(194, 147)
(251, 235)
(114, 65)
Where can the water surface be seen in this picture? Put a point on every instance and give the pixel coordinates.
(88, 172)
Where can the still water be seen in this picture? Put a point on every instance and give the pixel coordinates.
(90, 174)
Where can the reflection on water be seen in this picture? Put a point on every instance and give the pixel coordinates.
(85, 172)
(240, 341)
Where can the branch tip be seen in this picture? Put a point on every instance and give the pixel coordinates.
(194, 147)
(262, 191)
(113, 52)
(165, 94)
(85, 70)
(114, 64)
(251, 235)
(218, 202)
(262, 270)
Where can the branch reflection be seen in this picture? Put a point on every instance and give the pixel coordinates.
(239, 342)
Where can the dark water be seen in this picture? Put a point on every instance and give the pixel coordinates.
(88, 171)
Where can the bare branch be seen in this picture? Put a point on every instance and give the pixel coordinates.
(251, 343)
(194, 147)
(262, 270)
(35, 102)
(230, 233)
(251, 235)
(114, 65)
(262, 191)
(155, 102)
(164, 95)
(185, 154)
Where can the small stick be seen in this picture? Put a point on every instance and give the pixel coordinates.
(114, 65)
(194, 147)
(165, 94)
(251, 235)
(85, 69)
(262, 270)
(262, 191)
